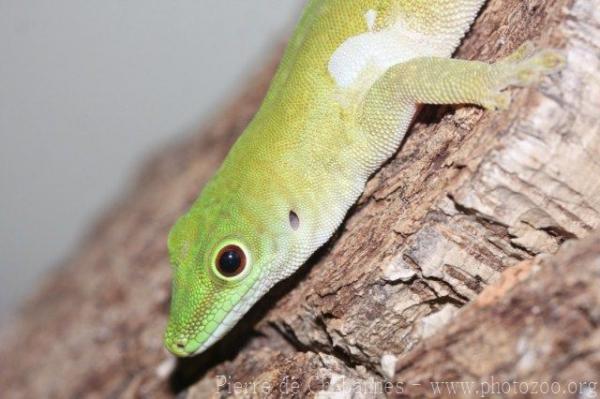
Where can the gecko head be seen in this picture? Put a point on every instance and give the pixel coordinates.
(220, 269)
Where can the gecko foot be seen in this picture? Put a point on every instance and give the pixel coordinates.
(524, 67)
(530, 69)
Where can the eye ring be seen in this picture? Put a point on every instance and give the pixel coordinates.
(231, 261)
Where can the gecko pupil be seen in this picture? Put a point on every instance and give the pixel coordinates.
(231, 261)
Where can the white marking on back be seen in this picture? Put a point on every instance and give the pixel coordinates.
(379, 50)
(370, 18)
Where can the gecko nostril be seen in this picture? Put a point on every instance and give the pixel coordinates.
(181, 343)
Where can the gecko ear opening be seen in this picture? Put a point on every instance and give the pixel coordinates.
(294, 220)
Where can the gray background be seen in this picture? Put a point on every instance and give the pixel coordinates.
(87, 88)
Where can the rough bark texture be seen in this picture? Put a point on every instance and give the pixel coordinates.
(446, 270)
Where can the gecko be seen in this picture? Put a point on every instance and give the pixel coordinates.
(350, 82)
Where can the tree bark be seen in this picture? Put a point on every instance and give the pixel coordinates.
(471, 257)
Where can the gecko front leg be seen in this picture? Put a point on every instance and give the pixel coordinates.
(431, 80)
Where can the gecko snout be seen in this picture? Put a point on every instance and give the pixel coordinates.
(177, 347)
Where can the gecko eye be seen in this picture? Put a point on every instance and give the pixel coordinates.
(231, 261)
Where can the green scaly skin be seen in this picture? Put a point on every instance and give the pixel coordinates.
(332, 116)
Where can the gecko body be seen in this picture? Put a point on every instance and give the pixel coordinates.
(339, 106)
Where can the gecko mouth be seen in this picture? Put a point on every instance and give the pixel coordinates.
(183, 343)
(183, 340)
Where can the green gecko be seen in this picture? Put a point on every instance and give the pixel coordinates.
(342, 99)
